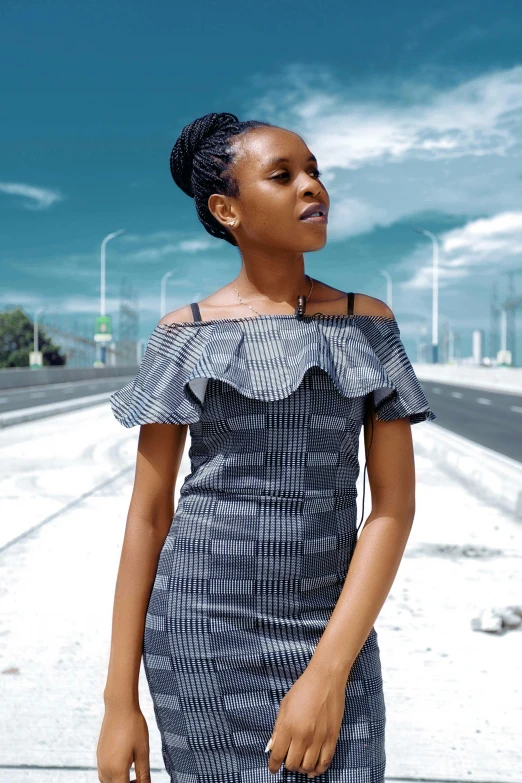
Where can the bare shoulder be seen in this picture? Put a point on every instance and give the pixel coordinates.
(181, 314)
(364, 304)
(213, 306)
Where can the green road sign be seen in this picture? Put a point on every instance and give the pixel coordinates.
(103, 329)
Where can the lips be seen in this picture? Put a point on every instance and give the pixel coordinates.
(307, 213)
(315, 219)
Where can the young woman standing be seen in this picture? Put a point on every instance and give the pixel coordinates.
(253, 602)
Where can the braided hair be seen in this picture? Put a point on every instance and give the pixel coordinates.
(200, 164)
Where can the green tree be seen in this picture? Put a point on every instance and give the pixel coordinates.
(16, 341)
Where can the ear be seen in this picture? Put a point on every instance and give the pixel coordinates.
(222, 210)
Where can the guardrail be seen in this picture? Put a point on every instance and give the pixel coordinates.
(502, 379)
(21, 377)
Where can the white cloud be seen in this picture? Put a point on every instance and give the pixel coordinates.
(155, 236)
(479, 246)
(479, 117)
(161, 244)
(77, 304)
(353, 216)
(153, 253)
(498, 234)
(36, 197)
(12, 298)
(195, 245)
(405, 147)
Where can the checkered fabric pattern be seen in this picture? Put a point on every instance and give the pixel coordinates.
(265, 358)
(264, 531)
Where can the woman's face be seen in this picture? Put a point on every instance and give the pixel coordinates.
(274, 193)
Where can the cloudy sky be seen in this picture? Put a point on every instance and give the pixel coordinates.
(414, 112)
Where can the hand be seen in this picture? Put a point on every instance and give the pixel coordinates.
(307, 727)
(124, 739)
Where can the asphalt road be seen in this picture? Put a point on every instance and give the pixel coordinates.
(16, 399)
(491, 419)
(453, 697)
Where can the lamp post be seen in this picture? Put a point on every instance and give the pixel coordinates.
(139, 350)
(102, 283)
(388, 287)
(35, 329)
(163, 293)
(435, 297)
(36, 358)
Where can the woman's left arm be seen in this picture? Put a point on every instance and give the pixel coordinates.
(310, 722)
(379, 549)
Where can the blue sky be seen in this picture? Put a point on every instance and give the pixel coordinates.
(413, 111)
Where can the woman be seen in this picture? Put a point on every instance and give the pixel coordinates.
(254, 603)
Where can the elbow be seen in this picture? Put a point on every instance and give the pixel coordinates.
(407, 507)
(402, 507)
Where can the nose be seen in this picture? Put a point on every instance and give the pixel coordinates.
(310, 186)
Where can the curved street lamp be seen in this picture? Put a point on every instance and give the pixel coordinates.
(163, 293)
(102, 282)
(34, 360)
(435, 289)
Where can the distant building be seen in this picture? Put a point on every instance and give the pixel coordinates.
(477, 346)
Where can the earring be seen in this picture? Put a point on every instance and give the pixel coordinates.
(233, 223)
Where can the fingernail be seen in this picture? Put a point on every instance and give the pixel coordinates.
(268, 745)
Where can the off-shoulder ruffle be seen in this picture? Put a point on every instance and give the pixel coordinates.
(266, 358)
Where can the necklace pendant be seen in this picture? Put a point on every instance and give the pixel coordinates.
(301, 300)
(301, 305)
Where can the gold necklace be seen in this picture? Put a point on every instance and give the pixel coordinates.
(255, 311)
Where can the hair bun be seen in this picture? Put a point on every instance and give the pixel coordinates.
(190, 141)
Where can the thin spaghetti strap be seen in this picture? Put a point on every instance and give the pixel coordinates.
(195, 311)
(350, 302)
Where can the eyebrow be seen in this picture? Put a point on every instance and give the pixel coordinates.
(275, 161)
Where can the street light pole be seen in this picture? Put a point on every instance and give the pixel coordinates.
(435, 297)
(163, 293)
(102, 282)
(139, 350)
(388, 287)
(35, 328)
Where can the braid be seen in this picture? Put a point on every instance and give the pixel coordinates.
(200, 161)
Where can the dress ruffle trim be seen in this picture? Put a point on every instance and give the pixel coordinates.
(265, 358)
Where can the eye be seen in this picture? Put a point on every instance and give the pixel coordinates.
(285, 173)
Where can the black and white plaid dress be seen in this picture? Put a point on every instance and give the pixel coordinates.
(264, 530)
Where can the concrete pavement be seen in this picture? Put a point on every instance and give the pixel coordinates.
(453, 695)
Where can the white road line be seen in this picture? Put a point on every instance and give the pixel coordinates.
(456, 394)
(515, 408)
(483, 400)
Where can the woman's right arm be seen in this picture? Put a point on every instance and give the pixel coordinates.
(123, 737)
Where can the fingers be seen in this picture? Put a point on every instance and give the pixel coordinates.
(309, 751)
(278, 749)
(303, 755)
(325, 757)
(142, 766)
(310, 760)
